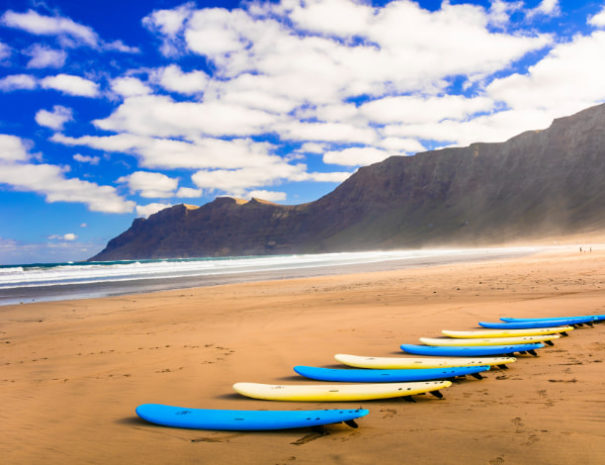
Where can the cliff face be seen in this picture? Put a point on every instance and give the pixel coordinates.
(535, 184)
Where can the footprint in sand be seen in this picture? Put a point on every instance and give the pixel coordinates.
(316, 434)
(518, 422)
(496, 461)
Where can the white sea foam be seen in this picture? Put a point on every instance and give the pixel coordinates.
(85, 273)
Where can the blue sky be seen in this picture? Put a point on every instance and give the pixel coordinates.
(113, 110)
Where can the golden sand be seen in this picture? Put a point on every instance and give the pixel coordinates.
(74, 371)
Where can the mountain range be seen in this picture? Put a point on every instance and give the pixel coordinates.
(537, 184)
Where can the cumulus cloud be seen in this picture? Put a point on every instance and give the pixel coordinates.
(598, 20)
(168, 25)
(272, 196)
(150, 185)
(5, 51)
(565, 81)
(38, 24)
(129, 87)
(45, 57)
(63, 237)
(86, 159)
(18, 82)
(54, 119)
(151, 208)
(71, 85)
(188, 193)
(17, 171)
(355, 156)
(545, 8)
(173, 79)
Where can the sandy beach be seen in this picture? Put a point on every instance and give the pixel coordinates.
(74, 371)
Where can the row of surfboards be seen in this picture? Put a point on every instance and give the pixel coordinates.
(460, 353)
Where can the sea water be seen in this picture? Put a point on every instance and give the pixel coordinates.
(63, 281)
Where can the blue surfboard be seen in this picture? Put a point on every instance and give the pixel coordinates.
(469, 351)
(570, 320)
(244, 420)
(385, 376)
(523, 324)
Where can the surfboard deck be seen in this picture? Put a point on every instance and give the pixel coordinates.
(387, 363)
(502, 333)
(522, 324)
(496, 341)
(337, 392)
(470, 351)
(244, 420)
(386, 376)
(572, 319)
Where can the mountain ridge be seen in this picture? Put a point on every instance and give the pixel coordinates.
(536, 183)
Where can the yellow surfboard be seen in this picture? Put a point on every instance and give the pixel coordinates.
(337, 392)
(493, 341)
(386, 363)
(485, 333)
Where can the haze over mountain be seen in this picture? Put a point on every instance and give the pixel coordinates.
(539, 183)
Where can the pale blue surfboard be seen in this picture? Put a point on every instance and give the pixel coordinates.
(469, 351)
(244, 420)
(386, 376)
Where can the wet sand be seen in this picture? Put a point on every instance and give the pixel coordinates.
(73, 371)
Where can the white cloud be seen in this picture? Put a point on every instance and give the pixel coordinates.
(398, 145)
(155, 115)
(45, 57)
(119, 46)
(12, 149)
(18, 82)
(38, 24)
(312, 147)
(129, 87)
(151, 208)
(188, 193)
(169, 24)
(271, 196)
(71, 85)
(150, 185)
(598, 20)
(86, 159)
(416, 109)
(355, 156)
(50, 181)
(63, 237)
(169, 153)
(173, 79)
(545, 8)
(568, 79)
(54, 119)
(238, 181)
(5, 51)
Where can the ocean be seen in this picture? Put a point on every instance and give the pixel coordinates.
(43, 282)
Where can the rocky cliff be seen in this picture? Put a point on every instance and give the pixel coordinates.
(539, 183)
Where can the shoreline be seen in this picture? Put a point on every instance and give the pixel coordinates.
(109, 288)
(73, 371)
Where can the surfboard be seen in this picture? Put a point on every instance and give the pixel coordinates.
(522, 324)
(386, 376)
(501, 333)
(474, 351)
(393, 363)
(337, 392)
(572, 319)
(244, 420)
(494, 341)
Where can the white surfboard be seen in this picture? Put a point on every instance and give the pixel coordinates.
(337, 392)
(493, 341)
(486, 333)
(386, 363)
